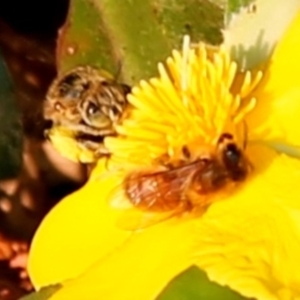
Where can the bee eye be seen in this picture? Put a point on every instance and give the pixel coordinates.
(231, 155)
(234, 163)
(70, 79)
(92, 109)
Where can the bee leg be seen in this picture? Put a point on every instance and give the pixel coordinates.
(93, 146)
(101, 151)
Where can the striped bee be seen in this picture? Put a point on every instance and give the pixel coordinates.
(87, 102)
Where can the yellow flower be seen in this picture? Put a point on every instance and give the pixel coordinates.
(249, 241)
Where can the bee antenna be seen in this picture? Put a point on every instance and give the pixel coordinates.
(118, 71)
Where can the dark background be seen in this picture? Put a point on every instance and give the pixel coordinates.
(28, 31)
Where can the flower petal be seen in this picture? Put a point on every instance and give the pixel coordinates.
(284, 68)
(252, 241)
(140, 269)
(278, 105)
(76, 233)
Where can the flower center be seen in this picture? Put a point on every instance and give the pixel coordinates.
(198, 96)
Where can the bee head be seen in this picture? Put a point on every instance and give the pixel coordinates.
(232, 157)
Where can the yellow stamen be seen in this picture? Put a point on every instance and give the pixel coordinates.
(192, 102)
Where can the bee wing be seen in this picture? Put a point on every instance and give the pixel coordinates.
(118, 199)
(133, 218)
(154, 204)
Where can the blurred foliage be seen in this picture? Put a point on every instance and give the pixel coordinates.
(131, 36)
(193, 284)
(44, 294)
(10, 127)
(235, 5)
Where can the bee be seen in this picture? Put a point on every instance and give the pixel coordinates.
(189, 186)
(88, 102)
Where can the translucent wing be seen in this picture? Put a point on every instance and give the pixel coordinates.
(149, 198)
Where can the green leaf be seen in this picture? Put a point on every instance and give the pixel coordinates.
(193, 284)
(11, 137)
(132, 36)
(234, 6)
(43, 294)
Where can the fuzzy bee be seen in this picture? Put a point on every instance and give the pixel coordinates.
(158, 195)
(88, 104)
